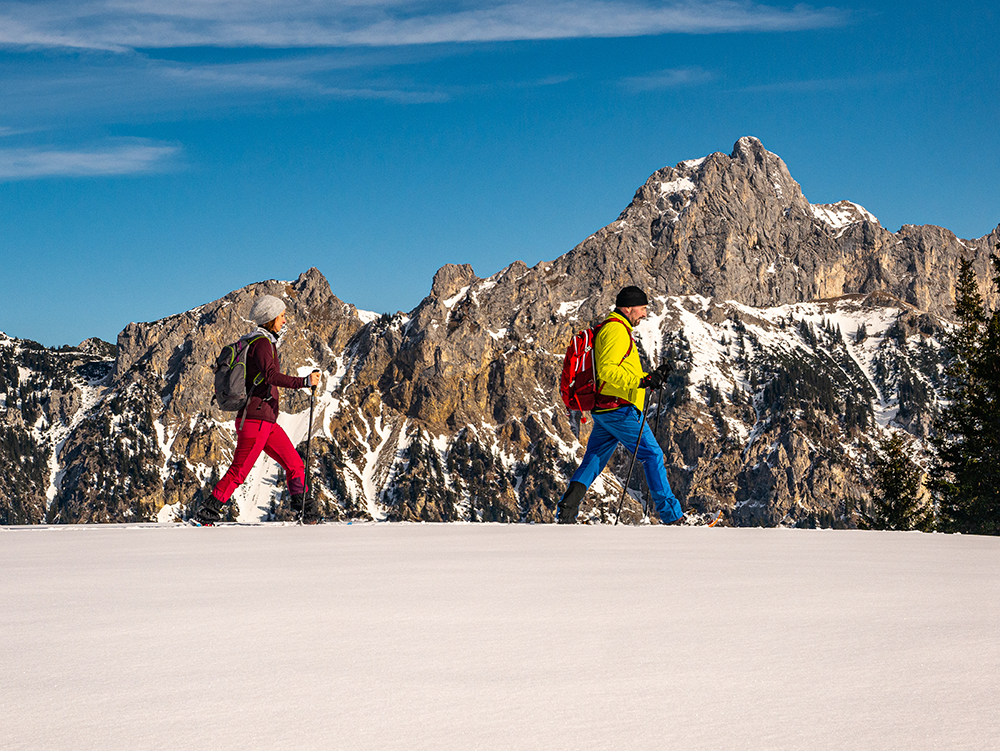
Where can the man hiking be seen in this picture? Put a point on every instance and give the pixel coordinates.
(621, 386)
(257, 426)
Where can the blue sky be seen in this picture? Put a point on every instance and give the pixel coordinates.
(152, 160)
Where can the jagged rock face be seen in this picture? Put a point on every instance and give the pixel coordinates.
(738, 228)
(451, 412)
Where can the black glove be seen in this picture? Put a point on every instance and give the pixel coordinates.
(657, 378)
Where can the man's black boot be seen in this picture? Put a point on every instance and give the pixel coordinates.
(569, 504)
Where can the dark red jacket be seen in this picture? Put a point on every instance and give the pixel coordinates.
(262, 360)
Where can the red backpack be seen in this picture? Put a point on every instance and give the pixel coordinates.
(578, 382)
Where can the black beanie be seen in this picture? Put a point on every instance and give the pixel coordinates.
(631, 296)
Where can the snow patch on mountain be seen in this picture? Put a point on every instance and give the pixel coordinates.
(571, 308)
(839, 216)
(454, 299)
(680, 185)
(92, 391)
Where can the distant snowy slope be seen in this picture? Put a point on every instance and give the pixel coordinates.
(45, 394)
(404, 636)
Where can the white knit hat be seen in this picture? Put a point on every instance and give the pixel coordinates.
(265, 309)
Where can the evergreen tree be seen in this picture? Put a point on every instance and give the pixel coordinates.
(966, 474)
(861, 334)
(897, 504)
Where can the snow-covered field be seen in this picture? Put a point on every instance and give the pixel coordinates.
(398, 636)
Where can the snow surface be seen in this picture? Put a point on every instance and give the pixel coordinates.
(408, 636)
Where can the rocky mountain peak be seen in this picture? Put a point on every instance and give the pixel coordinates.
(450, 279)
(738, 227)
(750, 174)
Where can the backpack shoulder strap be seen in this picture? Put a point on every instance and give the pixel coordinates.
(250, 339)
(631, 342)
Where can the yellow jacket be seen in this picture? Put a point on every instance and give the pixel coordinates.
(616, 360)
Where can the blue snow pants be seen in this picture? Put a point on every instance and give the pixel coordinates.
(622, 426)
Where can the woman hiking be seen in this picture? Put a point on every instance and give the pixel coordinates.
(256, 424)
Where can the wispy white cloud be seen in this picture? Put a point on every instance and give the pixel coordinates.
(129, 158)
(133, 24)
(815, 85)
(46, 88)
(84, 60)
(667, 79)
(312, 76)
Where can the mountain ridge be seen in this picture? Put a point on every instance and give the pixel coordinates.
(451, 411)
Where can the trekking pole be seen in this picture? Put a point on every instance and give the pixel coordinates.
(659, 401)
(656, 434)
(309, 432)
(656, 425)
(628, 477)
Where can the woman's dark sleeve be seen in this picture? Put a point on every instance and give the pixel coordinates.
(267, 365)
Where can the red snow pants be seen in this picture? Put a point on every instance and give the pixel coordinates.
(257, 436)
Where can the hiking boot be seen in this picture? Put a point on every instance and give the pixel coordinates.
(569, 505)
(210, 512)
(311, 515)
